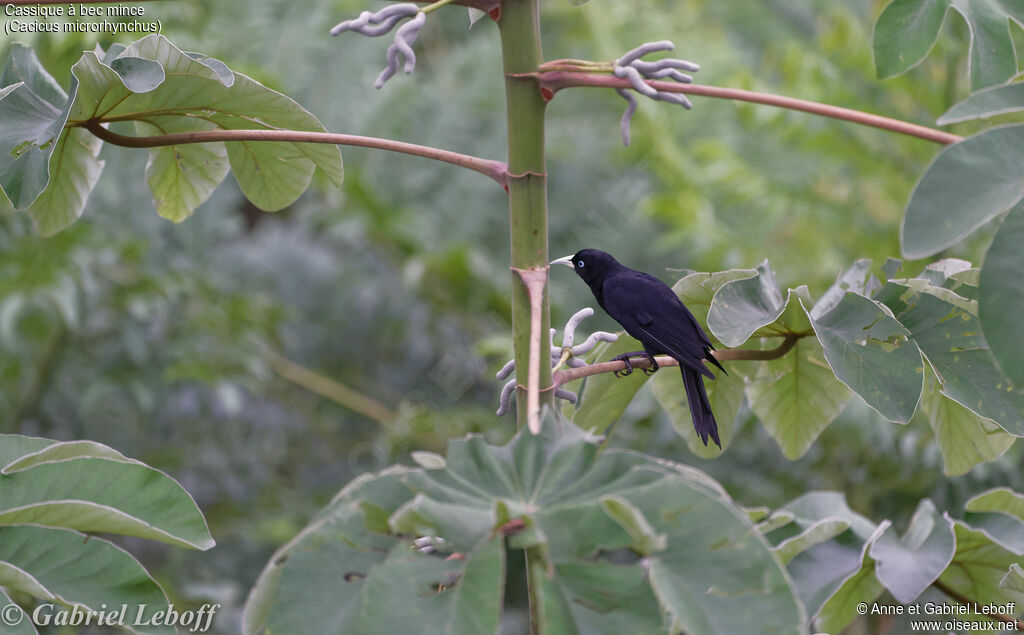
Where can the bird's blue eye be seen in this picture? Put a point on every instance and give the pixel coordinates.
(579, 263)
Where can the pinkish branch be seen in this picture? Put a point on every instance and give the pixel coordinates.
(557, 80)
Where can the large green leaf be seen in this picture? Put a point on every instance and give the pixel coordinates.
(999, 512)
(181, 177)
(697, 290)
(1001, 296)
(67, 567)
(32, 107)
(89, 487)
(840, 610)
(797, 396)
(162, 90)
(743, 306)
(907, 29)
(44, 167)
(823, 568)
(950, 338)
(990, 102)
(15, 446)
(964, 438)
(977, 569)
(16, 621)
(703, 565)
(968, 184)
(195, 96)
(909, 564)
(725, 394)
(868, 351)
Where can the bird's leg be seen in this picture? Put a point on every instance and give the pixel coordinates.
(653, 368)
(624, 358)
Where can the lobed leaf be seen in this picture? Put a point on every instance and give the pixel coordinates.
(869, 352)
(1001, 296)
(92, 488)
(696, 556)
(968, 184)
(990, 102)
(742, 306)
(907, 29)
(908, 565)
(797, 396)
(964, 438)
(950, 338)
(67, 567)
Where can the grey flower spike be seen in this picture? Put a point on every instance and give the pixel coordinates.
(675, 98)
(574, 321)
(506, 370)
(591, 342)
(644, 49)
(404, 38)
(652, 67)
(631, 67)
(505, 400)
(402, 45)
(635, 78)
(373, 30)
(568, 395)
(388, 15)
(671, 73)
(627, 117)
(383, 21)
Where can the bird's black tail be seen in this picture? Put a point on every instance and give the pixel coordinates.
(700, 408)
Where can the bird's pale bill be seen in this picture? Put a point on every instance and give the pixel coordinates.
(567, 261)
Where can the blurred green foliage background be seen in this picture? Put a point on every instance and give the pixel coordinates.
(161, 339)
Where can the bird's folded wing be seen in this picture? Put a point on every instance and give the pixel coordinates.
(651, 308)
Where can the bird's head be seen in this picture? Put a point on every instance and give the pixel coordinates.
(589, 264)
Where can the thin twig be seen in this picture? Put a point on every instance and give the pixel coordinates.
(556, 80)
(495, 169)
(330, 389)
(567, 375)
(966, 601)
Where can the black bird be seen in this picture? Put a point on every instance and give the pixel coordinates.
(651, 312)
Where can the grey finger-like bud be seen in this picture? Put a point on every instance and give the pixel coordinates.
(574, 321)
(389, 14)
(506, 370)
(505, 400)
(644, 49)
(674, 98)
(403, 10)
(591, 342)
(389, 70)
(353, 24)
(404, 38)
(636, 79)
(670, 62)
(575, 362)
(627, 117)
(568, 395)
(669, 72)
(374, 30)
